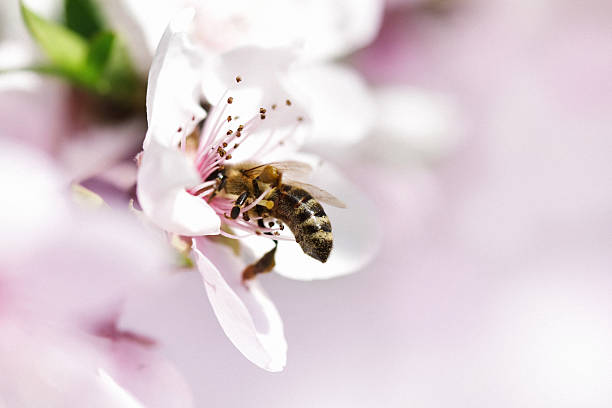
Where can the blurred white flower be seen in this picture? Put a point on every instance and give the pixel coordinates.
(64, 274)
(252, 118)
(335, 96)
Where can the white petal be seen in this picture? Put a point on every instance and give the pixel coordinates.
(245, 313)
(324, 29)
(163, 177)
(340, 105)
(416, 121)
(341, 26)
(173, 93)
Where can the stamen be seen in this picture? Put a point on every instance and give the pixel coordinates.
(204, 185)
(211, 123)
(257, 200)
(206, 192)
(232, 236)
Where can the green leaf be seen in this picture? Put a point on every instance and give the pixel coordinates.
(83, 17)
(100, 65)
(65, 49)
(100, 50)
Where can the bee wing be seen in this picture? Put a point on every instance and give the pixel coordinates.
(287, 168)
(319, 194)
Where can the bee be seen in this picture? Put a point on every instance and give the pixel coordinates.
(291, 203)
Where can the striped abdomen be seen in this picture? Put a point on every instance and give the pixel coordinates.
(306, 218)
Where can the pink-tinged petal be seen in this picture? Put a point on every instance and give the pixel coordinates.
(248, 318)
(31, 202)
(164, 175)
(25, 96)
(173, 93)
(340, 104)
(55, 368)
(96, 270)
(111, 144)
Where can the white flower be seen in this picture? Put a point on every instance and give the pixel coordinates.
(251, 116)
(322, 30)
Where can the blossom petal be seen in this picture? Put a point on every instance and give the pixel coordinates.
(341, 26)
(340, 104)
(31, 201)
(173, 93)
(163, 177)
(416, 121)
(245, 313)
(55, 368)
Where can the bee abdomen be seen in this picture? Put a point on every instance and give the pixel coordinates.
(307, 220)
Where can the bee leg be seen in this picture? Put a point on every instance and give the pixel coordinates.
(265, 264)
(220, 179)
(256, 191)
(238, 205)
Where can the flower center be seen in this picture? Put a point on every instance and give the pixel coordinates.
(222, 133)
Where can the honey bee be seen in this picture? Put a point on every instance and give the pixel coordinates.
(289, 202)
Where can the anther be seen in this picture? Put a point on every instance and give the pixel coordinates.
(274, 106)
(300, 118)
(224, 144)
(288, 102)
(236, 146)
(262, 110)
(262, 116)
(229, 156)
(240, 128)
(229, 118)
(180, 129)
(229, 132)
(230, 100)
(238, 78)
